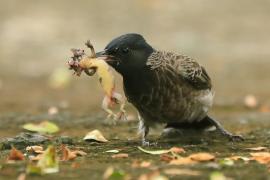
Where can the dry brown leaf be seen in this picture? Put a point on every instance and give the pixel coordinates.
(22, 176)
(260, 148)
(138, 164)
(166, 157)
(15, 155)
(182, 161)
(121, 155)
(35, 149)
(80, 153)
(261, 157)
(96, 136)
(202, 157)
(176, 171)
(67, 154)
(177, 150)
(145, 164)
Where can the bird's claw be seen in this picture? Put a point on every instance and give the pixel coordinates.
(147, 143)
(236, 138)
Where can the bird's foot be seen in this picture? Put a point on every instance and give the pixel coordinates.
(111, 118)
(147, 143)
(233, 137)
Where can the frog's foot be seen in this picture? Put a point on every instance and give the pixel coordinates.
(105, 106)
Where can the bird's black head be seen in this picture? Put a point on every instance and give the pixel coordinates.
(127, 53)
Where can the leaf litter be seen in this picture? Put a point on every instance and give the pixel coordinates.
(42, 127)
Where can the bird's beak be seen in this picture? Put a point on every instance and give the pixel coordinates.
(104, 55)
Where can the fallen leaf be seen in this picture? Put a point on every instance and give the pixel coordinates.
(176, 171)
(22, 176)
(48, 163)
(145, 164)
(113, 151)
(217, 176)
(112, 174)
(153, 176)
(96, 136)
(182, 161)
(260, 148)
(43, 127)
(235, 158)
(15, 155)
(177, 150)
(80, 153)
(166, 157)
(202, 157)
(67, 154)
(154, 152)
(33, 169)
(226, 162)
(121, 155)
(35, 149)
(261, 157)
(138, 164)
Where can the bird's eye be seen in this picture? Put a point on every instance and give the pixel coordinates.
(125, 50)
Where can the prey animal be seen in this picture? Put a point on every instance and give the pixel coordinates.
(165, 87)
(91, 65)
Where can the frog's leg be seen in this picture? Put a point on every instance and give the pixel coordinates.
(90, 45)
(105, 106)
(118, 98)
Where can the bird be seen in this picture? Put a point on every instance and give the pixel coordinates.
(165, 87)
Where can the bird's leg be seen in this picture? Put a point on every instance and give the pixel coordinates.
(118, 98)
(144, 130)
(223, 131)
(105, 106)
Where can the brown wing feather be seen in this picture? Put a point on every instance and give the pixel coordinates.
(182, 65)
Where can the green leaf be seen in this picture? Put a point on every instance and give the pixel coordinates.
(217, 176)
(47, 164)
(154, 152)
(43, 127)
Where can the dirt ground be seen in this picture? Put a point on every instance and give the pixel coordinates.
(230, 39)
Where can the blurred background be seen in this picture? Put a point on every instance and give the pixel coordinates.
(231, 39)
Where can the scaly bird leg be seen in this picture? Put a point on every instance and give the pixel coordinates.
(223, 131)
(143, 130)
(105, 106)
